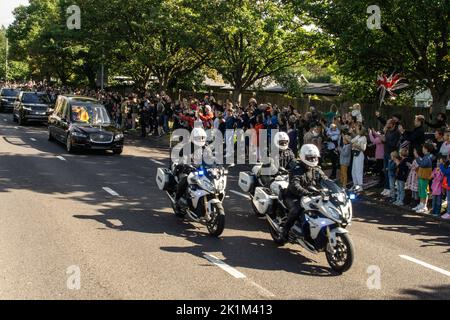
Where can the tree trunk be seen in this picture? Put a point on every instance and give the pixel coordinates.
(237, 96)
(163, 84)
(440, 100)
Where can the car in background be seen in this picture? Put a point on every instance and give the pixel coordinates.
(83, 123)
(8, 97)
(32, 106)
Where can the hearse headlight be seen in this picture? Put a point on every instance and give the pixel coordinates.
(118, 136)
(78, 134)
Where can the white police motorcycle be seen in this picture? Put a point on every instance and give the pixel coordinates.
(203, 198)
(326, 217)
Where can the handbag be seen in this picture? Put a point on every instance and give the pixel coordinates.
(356, 153)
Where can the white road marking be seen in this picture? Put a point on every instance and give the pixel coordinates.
(158, 162)
(111, 191)
(426, 265)
(32, 139)
(240, 194)
(262, 291)
(237, 274)
(61, 158)
(6, 120)
(16, 128)
(222, 265)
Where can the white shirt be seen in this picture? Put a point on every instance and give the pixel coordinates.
(361, 142)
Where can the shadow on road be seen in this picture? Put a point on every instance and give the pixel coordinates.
(431, 234)
(428, 293)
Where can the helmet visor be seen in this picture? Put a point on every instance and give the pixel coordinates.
(312, 159)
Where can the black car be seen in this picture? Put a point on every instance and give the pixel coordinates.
(8, 97)
(32, 106)
(83, 123)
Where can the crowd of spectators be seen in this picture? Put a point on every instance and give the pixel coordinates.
(410, 163)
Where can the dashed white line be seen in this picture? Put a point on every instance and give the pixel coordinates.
(32, 139)
(158, 162)
(237, 274)
(240, 194)
(261, 290)
(222, 265)
(426, 265)
(16, 128)
(6, 120)
(61, 158)
(111, 191)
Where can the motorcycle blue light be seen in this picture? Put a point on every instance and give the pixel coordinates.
(352, 196)
(201, 173)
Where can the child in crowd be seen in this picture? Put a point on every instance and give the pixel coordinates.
(425, 170)
(345, 158)
(401, 176)
(392, 171)
(445, 146)
(444, 166)
(412, 182)
(436, 190)
(376, 139)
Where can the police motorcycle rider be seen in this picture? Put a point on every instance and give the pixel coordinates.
(303, 175)
(286, 158)
(186, 166)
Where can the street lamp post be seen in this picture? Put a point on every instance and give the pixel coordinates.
(103, 75)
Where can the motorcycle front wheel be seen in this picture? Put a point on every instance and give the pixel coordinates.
(179, 213)
(217, 223)
(342, 260)
(276, 236)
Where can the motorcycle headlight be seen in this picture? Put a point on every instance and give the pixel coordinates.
(118, 136)
(207, 185)
(335, 213)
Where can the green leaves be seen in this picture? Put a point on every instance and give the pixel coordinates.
(413, 40)
(251, 40)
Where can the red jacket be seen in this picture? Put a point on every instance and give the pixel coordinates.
(207, 119)
(188, 119)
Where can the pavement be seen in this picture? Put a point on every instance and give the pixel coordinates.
(102, 217)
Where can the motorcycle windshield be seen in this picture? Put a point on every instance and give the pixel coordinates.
(331, 185)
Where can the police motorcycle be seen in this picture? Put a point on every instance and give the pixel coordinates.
(327, 214)
(269, 176)
(205, 192)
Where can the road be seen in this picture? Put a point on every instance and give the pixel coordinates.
(103, 215)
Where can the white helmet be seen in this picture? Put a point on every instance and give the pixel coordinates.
(309, 155)
(282, 141)
(198, 137)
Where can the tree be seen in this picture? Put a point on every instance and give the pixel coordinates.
(146, 37)
(40, 37)
(251, 40)
(2, 52)
(413, 40)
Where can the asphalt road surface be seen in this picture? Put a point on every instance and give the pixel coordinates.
(102, 217)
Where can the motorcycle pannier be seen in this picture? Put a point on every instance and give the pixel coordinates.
(246, 181)
(262, 200)
(163, 178)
